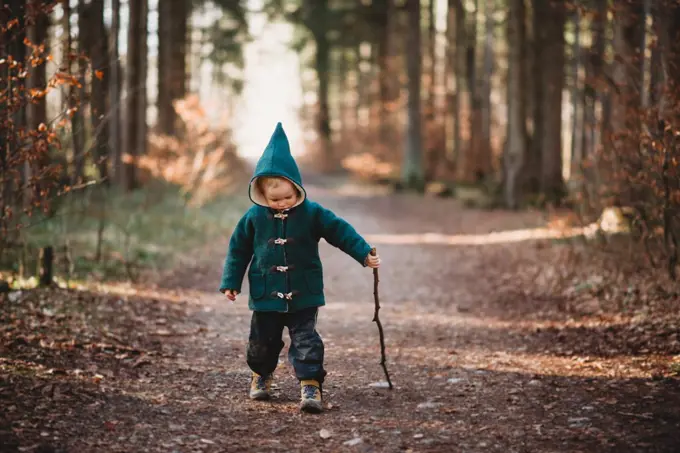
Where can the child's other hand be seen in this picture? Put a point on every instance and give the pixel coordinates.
(373, 261)
(231, 294)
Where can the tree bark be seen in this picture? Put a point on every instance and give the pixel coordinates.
(135, 99)
(667, 18)
(485, 92)
(515, 152)
(37, 78)
(539, 25)
(144, 72)
(78, 97)
(386, 70)
(593, 77)
(429, 85)
(99, 109)
(114, 95)
(452, 82)
(577, 101)
(625, 120)
(36, 110)
(477, 162)
(412, 166)
(552, 78)
(173, 16)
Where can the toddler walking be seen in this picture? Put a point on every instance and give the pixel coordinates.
(280, 233)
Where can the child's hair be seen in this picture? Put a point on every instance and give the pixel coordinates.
(265, 182)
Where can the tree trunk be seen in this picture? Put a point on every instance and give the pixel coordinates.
(539, 25)
(114, 95)
(477, 162)
(656, 76)
(135, 101)
(144, 73)
(462, 89)
(625, 120)
(452, 83)
(412, 166)
(36, 110)
(593, 75)
(515, 151)
(11, 45)
(347, 133)
(667, 20)
(99, 110)
(45, 267)
(78, 97)
(386, 71)
(645, 63)
(552, 78)
(485, 92)
(430, 142)
(319, 11)
(577, 101)
(37, 78)
(173, 16)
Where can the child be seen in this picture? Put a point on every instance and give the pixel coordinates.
(281, 234)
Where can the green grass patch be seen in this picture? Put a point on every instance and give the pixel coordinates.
(105, 234)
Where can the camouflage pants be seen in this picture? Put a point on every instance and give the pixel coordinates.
(306, 348)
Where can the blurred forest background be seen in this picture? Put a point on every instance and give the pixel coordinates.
(108, 151)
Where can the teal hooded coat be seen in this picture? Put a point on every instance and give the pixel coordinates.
(282, 248)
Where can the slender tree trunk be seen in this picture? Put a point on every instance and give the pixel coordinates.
(13, 45)
(593, 81)
(361, 88)
(115, 95)
(36, 110)
(644, 64)
(144, 77)
(412, 166)
(452, 83)
(79, 98)
(5, 180)
(485, 92)
(552, 182)
(477, 162)
(99, 110)
(577, 101)
(627, 76)
(430, 140)
(656, 75)
(590, 94)
(173, 17)
(135, 101)
(348, 131)
(515, 152)
(37, 78)
(386, 70)
(532, 172)
(462, 107)
(319, 29)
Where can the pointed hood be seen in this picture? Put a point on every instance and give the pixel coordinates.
(276, 160)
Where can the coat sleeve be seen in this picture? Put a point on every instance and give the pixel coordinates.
(339, 233)
(239, 255)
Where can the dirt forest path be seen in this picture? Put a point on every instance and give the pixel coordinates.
(479, 364)
(469, 375)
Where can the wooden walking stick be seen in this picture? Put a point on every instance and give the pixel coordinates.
(376, 319)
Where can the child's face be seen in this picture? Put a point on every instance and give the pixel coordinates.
(281, 195)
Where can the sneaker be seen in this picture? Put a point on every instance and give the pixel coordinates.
(260, 387)
(310, 392)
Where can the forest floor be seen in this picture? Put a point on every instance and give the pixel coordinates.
(496, 342)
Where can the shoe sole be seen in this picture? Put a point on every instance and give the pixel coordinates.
(260, 396)
(311, 407)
